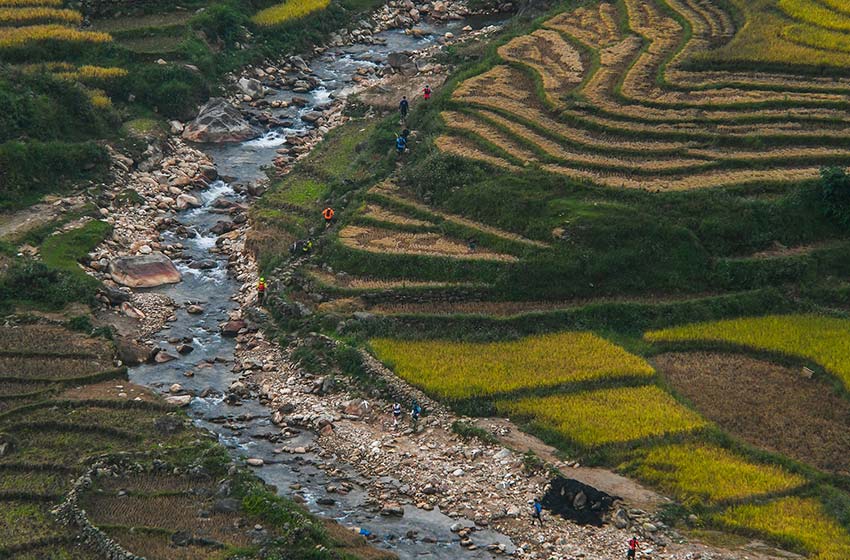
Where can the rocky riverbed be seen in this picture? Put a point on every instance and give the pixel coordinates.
(180, 220)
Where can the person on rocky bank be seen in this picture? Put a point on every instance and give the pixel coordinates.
(415, 413)
(403, 108)
(536, 512)
(396, 414)
(633, 546)
(426, 91)
(261, 291)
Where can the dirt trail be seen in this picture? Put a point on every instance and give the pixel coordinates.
(15, 224)
(632, 493)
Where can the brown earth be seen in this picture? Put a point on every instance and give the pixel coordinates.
(770, 406)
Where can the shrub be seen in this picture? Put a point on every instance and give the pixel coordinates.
(29, 170)
(35, 283)
(835, 192)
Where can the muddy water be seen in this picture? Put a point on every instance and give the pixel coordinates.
(419, 533)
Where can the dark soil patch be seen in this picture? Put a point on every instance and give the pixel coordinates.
(767, 405)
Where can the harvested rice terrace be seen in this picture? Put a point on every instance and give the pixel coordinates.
(593, 90)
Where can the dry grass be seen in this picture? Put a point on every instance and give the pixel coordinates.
(606, 416)
(769, 406)
(459, 370)
(357, 283)
(379, 240)
(633, 105)
(382, 214)
(465, 148)
(50, 368)
(557, 62)
(23, 3)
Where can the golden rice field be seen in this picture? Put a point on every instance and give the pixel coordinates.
(703, 474)
(21, 3)
(289, 10)
(606, 416)
(547, 106)
(18, 36)
(802, 522)
(823, 340)
(24, 16)
(458, 370)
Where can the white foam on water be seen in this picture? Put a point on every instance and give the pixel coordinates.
(217, 189)
(270, 139)
(321, 95)
(204, 242)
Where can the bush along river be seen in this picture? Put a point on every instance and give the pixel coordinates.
(200, 362)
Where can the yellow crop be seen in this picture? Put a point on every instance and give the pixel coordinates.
(17, 36)
(99, 99)
(815, 13)
(605, 416)
(20, 3)
(286, 11)
(466, 369)
(21, 16)
(817, 37)
(92, 73)
(699, 474)
(798, 521)
(824, 340)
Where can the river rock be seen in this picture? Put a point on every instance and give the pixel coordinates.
(255, 462)
(252, 87)
(179, 400)
(186, 201)
(144, 271)
(194, 309)
(392, 509)
(219, 121)
(162, 357)
(232, 328)
(312, 117)
(132, 312)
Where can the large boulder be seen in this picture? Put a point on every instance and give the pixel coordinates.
(219, 121)
(145, 271)
(252, 87)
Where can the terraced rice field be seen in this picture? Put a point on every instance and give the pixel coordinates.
(606, 416)
(380, 240)
(823, 340)
(590, 99)
(463, 370)
(800, 522)
(703, 474)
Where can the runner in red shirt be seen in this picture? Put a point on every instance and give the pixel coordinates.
(633, 546)
(427, 92)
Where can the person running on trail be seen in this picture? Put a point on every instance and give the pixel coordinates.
(427, 92)
(328, 215)
(400, 144)
(307, 247)
(396, 414)
(633, 546)
(537, 512)
(415, 413)
(261, 290)
(403, 107)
